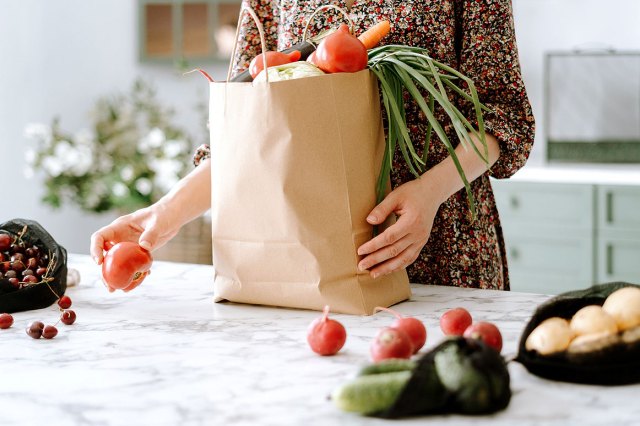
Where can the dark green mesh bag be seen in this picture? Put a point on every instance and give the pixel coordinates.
(618, 364)
(50, 286)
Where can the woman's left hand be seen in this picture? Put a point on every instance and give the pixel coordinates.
(416, 204)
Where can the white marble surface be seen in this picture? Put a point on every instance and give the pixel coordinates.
(165, 354)
(594, 174)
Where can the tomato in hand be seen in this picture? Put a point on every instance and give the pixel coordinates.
(125, 266)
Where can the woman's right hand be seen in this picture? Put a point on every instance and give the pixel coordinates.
(150, 227)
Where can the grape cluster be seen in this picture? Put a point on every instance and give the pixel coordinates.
(22, 264)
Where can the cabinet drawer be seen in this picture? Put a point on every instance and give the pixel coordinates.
(619, 207)
(549, 265)
(555, 205)
(619, 257)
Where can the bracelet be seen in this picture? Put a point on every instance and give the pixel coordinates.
(202, 153)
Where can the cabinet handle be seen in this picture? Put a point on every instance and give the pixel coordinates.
(515, 253)
(609, 206)
(609, 259)
(515, 203)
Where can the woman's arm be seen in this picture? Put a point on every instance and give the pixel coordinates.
(416, 204)
(153, 226)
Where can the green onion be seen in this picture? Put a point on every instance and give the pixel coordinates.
(411, 69)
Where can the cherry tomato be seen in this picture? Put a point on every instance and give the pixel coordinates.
(413, 327)
(326, 336)
(455, 321)
(125, 266)
(486, 332)
(391, 343)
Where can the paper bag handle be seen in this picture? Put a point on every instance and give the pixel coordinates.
(322, 9)
(263, 43)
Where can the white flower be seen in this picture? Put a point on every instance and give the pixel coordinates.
(30, 156)
(173, 148)
(127, 173)
(62, 150)
(53, 166)
(144, 186)
(105, 164)
(39, 131)
(154, 139)
(82, 161)
(166, 173)
(84, 137)
(120, 190)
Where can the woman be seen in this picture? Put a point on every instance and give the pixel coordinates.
(434, 236)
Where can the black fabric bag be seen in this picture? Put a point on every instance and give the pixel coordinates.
(616, 365)
(39, 295)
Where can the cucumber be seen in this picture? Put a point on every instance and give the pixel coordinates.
(372, 393)
(387, 366)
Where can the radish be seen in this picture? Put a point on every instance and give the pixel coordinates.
(391, 342)
(413, 327)
(455, 321)
(326, 336)
(486, 332)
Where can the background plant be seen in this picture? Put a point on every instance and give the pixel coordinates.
(130, 156)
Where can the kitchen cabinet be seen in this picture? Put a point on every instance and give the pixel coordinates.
(618, 233)
(565, 236)
(165, 354)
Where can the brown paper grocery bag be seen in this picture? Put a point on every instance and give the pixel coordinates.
(293, 170)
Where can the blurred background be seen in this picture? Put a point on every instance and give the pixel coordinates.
(111, 74)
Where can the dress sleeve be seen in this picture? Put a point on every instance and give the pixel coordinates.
(489, 56)
(249, 38)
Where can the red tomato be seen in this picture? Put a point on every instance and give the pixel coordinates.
(326, 336)
(391, 343)
(414, 328)
(486, 332)
(273, 59)
(455, 321)
(341, 52)
(125, 266)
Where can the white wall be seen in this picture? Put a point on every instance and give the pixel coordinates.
(58, 57)
(543, 25)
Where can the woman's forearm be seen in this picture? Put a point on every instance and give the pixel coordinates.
(191, 196)
(444, 177)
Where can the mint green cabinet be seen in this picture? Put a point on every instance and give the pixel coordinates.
(549, 233)
(618, 233)
(563, 237)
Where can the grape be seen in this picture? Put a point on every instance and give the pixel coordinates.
(64, 302)
(6, 321)
(5, 242)
(49, 332)
(35, 329)
(68, 317)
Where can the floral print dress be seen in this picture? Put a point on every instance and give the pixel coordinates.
(477, 38)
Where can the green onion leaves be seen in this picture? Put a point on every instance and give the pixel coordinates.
(410, 69)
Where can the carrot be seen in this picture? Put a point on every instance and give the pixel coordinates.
(373, 35)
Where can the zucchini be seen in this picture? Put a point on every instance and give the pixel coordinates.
(387, 366)
(372, 393)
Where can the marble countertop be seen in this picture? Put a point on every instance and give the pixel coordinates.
(593, 174)
(165, 354)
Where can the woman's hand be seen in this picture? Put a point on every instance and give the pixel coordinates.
(416, 204)
(151, 227)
